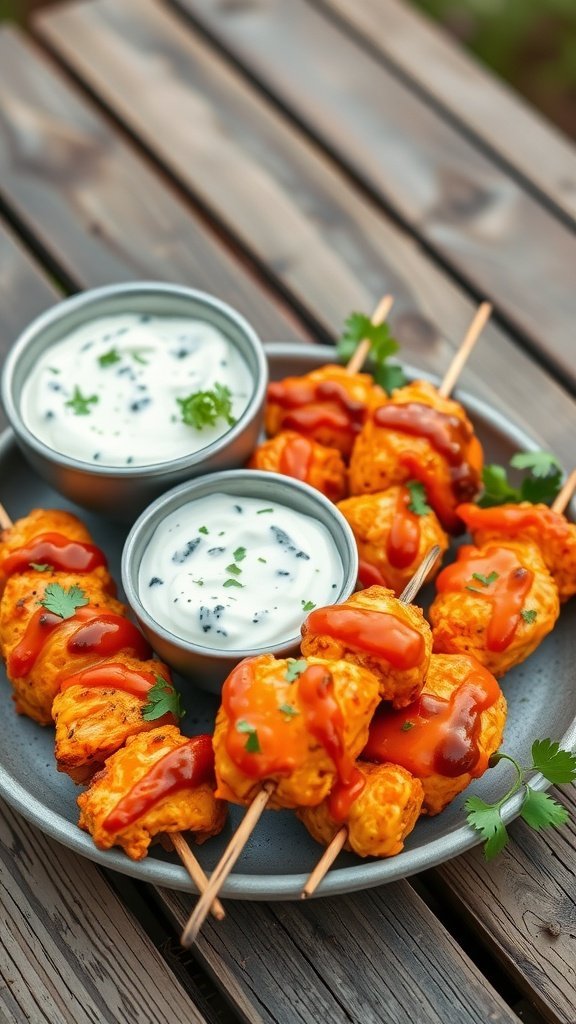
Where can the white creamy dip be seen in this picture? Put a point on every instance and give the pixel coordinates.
(108, 392)
(237, 573)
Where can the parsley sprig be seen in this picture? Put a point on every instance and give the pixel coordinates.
(252, 745)
(204, 408)
(295, 668)
(110, 357)
(538, 809)
(63, 602)
(80, 404)
(163, 699)
(541, 483)
(383, 345)
(417, 504)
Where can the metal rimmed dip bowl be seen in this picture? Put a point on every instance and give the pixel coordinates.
(122, 491)
(172, 525)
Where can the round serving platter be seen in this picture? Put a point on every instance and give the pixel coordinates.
(541, 702)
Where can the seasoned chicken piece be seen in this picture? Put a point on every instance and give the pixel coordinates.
(304, 459)
(98, 708)
(328, 405)
(375, 630)
(497, 602)
(392, 538)
(159, 782)
(39, 646)
(448, 735)
(379, 819)
(417, 435)
(300, 724)
(538, 524)
(45, 533)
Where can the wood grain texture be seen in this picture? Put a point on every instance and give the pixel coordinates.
(70, 952)
(369, 957)
(523, 904)
(476, 217)
(94, 207)
(325, 245)
(483, 104)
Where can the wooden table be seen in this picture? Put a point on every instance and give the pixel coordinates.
(297, 159)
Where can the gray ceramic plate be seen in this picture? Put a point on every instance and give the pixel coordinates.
(541, 700)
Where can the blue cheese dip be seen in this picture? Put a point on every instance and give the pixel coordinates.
(130, 390)
(236, 573)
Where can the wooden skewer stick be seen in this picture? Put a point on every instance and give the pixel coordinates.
(338, 841)
(378, 317)
(226, 863)
(561, 500)
(478, 324)
(188, 859)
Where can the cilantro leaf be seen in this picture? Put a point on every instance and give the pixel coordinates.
(554, 764)
(307, 606)
(109, 358)
(417, 504)
(234, 569)
(485, 818)
(204, 408)
(162, 700)
(80, 404)
(540, 811)
(497, 490)
(540, 464)
(40, 566)
(204, 529)
(541, 483)
(233, 583)
(239, 554)
(529, 615)
(295, 669)
(406, 726)
(252, 745)
(288, 709)
(382, 345)
(63, 602)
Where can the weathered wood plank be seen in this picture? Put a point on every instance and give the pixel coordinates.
(523, 904)
(373, 956)
(70, 952)
(474, 215)
(483, 104)
(332, 250)
(94, 207)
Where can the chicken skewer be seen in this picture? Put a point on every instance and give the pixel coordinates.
(340, 838)
(186, 855)
(361, 711)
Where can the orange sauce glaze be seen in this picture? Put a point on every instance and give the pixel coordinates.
(115, 676)
(41, 624)
(510, 519)
(296, 458)
(186, 767)
(435, 735)
(107, 634)
(248, 700)
(373, 632)
(451, 437)
(313, 405)
(404, 537)
(369, 575)
(507, 593)
(58, 552)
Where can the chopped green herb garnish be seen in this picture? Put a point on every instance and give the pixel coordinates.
(252, 745)
(234, 569)
(406, 726)
(80, 404)
(529, 615)
(485, 580)
(295, 668)
(538, 809)
(307, 606)
(204, 408)
(261, 511)
(541, 483)
(109, 358)
(203, 529)
(135, 353)
(54, 370)
(383, 345)
(263, 560)
(288, 709)
(417, 504)
(63, 602)
(40, 566)
(474, 590)
(233, 583)
(163, 699)
(240, 554)
(199, 582)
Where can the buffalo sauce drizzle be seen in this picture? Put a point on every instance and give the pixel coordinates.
(312, 405)
(369, 575)
(56, 551)
(512, 518)
(187, 767)
(434, 734)
(507, 593)
(113, 675)
(40, 626)
(372, 632)
(296, 458)
(106, 634)
(404, 538)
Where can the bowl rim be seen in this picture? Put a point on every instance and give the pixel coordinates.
(87, 298)
(149, 519)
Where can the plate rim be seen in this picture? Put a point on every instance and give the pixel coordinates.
(365, 874)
